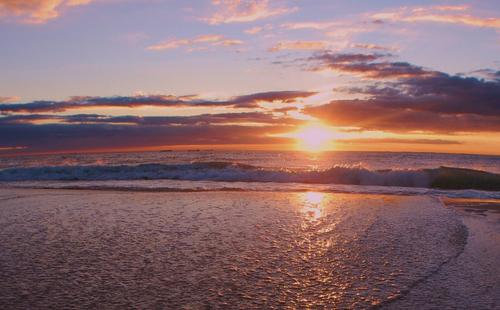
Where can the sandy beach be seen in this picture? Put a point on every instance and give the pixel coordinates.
(107, 249)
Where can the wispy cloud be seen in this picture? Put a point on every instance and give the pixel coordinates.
(488, 74)
(438, 14)
(243, 118)
(369, 46)
(11, 148)
(240, 11)
(254, 30)
(340, 33)
(317, 25)
(399, 141)
(258, 29)
(299, 45)
(338, 28)
(373, 66)
(243, 101)
(197, 42)
(9, 99)
(36, 11)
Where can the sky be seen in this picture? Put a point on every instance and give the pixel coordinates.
(105, 75)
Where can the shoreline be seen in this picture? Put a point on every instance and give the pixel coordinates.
(186, 186)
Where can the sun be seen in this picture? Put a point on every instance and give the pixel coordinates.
(314, 137)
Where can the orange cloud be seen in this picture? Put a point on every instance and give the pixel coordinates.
(9, 99)
(451, 7)
(439, 14)
(311, 25)
(399, 141)
(36, 11)
(299, 45)
(197, 43)
(240, 11)
(340, 32)
(11, 148)
(369, 46)
(258, 29)
(254, 30)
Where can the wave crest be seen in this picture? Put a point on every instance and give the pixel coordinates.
(443, 177)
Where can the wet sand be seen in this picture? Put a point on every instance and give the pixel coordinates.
(472, 279)
(114, 250)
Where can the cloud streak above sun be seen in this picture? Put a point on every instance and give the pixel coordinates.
(262, 118)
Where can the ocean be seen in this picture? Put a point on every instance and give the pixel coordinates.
(449, 175)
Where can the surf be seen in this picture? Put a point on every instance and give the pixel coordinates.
(451, 178)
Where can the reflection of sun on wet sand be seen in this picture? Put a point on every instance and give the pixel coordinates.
(312, 205)
(228, 249)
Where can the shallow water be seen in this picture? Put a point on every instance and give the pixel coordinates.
(81, 249)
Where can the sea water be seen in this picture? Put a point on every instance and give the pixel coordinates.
(453, 175)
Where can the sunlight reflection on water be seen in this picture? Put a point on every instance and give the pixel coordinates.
(313, 208)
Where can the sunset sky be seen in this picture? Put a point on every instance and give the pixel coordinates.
(92, 75)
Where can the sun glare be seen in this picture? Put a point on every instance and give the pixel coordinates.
(313, 208)
(314, 137)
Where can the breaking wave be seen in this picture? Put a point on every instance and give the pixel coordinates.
(441, 178)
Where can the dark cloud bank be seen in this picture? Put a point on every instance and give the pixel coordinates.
(402, 97)
(24, 125)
